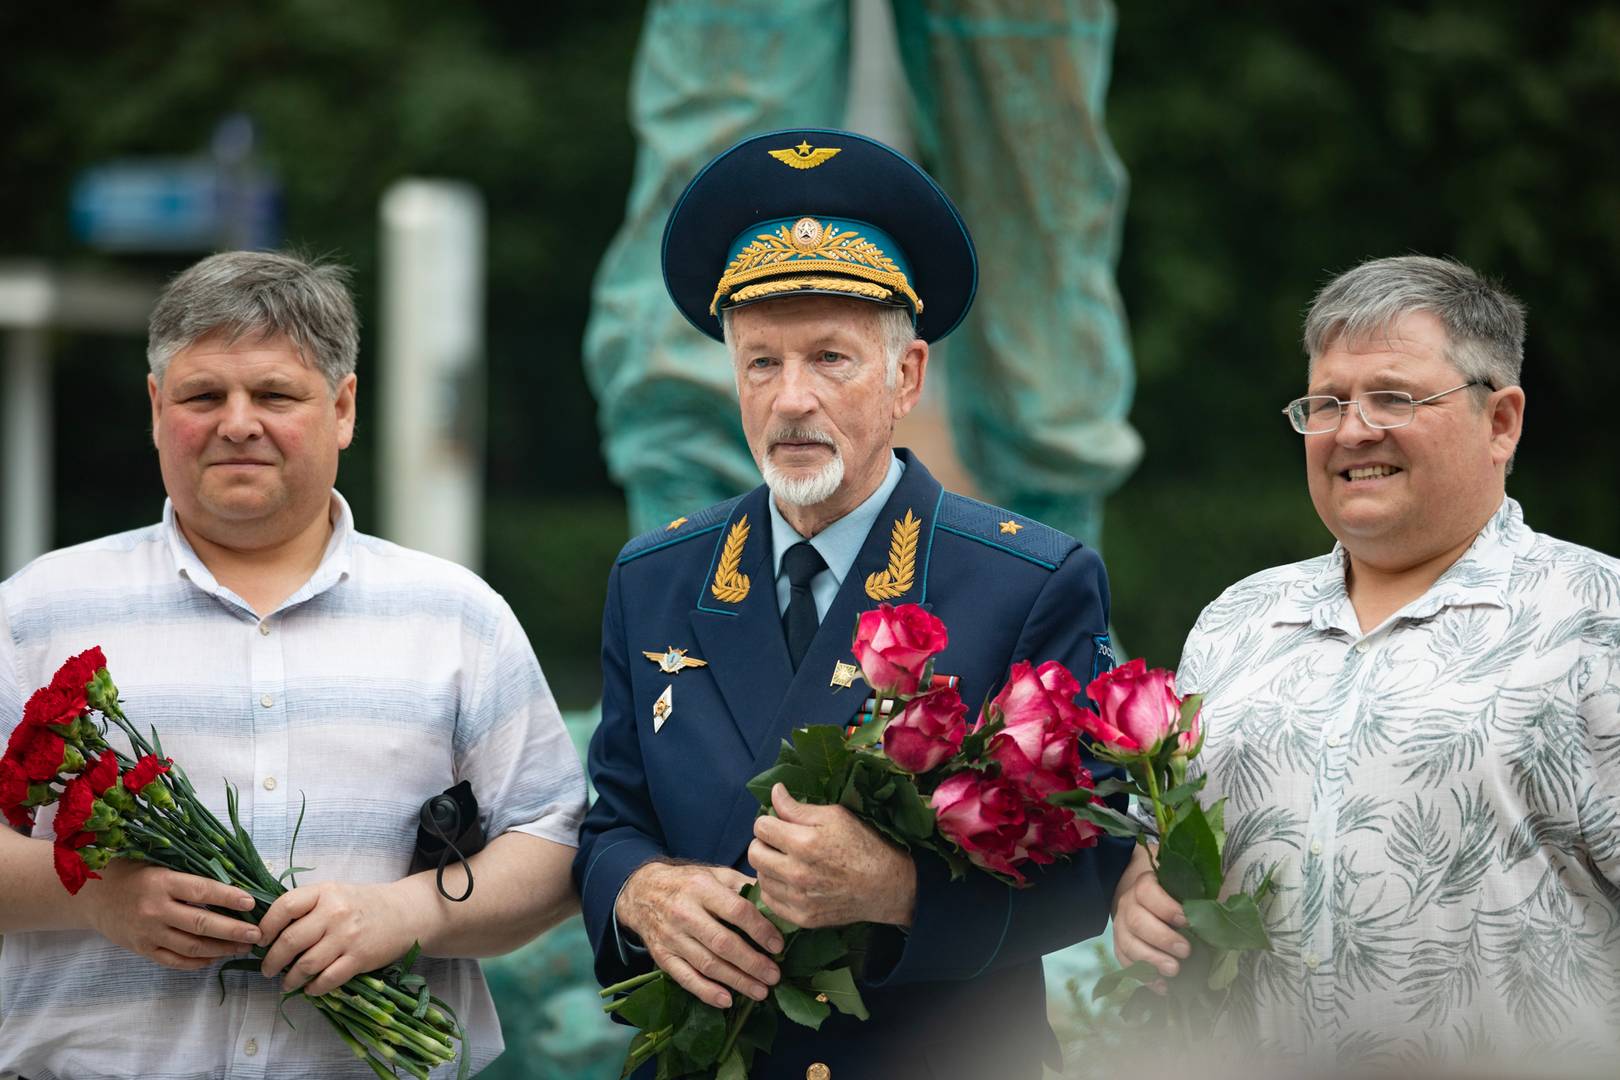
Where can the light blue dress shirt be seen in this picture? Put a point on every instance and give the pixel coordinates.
(838, 543)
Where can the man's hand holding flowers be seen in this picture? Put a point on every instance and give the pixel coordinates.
(822, 866)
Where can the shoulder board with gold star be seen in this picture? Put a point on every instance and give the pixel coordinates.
(678, 531)
(1013, 533)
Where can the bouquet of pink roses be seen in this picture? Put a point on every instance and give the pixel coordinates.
(1143, 725)
(980, 797)
(110, 805)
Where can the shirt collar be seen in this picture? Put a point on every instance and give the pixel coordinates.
(839, 543)
(1479, 577)
(333, 568)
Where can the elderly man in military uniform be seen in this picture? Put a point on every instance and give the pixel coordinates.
(828, 263)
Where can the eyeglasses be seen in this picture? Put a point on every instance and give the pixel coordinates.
(1318, 414)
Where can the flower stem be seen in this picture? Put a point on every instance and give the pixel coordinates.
(736, 1027)
(630, 984)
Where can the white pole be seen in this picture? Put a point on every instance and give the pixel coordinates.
(432, 358)
(28, 480)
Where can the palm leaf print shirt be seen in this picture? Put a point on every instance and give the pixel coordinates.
(1440, 798)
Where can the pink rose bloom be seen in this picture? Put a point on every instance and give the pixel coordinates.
(927, 732)
(985, 818)
(1041, 758)
(1052, 831)
(894, 644)
(1187, 740)
(1041, 696)
(1137, 708)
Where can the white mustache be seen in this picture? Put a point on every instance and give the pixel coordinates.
(793, 434)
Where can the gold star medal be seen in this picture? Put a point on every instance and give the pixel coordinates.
(673, 661)
(663, 708)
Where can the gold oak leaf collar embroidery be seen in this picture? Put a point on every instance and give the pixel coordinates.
(896, 579)
(730, 586)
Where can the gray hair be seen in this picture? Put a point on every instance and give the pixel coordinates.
(1484, 324)
(263, 294)
(896, 331)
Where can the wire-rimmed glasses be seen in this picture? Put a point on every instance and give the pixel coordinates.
(1318, 414)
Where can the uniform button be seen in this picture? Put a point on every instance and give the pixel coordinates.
(1312, 960)
(269, 783)
(1316, 847)
(817, 1071)
(251, 1048)
(264, 628)
(267, 701)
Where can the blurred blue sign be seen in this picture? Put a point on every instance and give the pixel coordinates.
(175, 205)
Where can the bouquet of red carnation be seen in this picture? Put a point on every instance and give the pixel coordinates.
(1143, 725)
(110, 805)
(984, 796)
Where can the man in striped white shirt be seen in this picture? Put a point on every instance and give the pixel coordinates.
(281, 651)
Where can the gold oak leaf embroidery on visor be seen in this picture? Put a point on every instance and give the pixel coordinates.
(844, 252)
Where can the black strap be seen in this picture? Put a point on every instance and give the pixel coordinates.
(802, 562)
(432, 825)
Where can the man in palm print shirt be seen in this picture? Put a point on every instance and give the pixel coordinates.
(1420, 731)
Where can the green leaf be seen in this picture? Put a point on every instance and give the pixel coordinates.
(732, 1068)
(1143, 1006)
(824, 756)
(868, 734)
(1141, 971)
(800, 1006)
(1115, 785)
(1178, 795)
(800, 782)
(839, 986)
(291, 870)
(1106, 818)
(1189, 861)
(1234, 924)
(648, 1004)
(912, 815)
(1225, 971)
(810, 951)
(1216, 816)
(246, 963)
(758, 1032)
(701, 1033)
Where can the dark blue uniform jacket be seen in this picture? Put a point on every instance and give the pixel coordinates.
(961, 994)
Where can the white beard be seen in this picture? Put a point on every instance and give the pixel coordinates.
(808, 490)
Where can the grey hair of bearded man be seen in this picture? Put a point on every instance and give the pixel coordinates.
(261, 295)
(1484, 324)
(896, 330)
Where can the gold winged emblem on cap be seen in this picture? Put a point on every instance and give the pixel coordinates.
(805, 156)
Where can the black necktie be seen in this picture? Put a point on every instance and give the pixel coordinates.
(802, 562)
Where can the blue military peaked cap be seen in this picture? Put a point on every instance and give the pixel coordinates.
(821, 211)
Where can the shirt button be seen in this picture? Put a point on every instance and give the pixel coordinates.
(1333, 740)
(267, 701)
(1316, 847)
(264, 628)
(251, 1048)
(269, 783)
(1312, 960)
(1361, 646)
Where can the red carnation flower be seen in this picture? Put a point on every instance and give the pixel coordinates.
(75, 808)
(43, 755)
(102, 773)
(79, 670)
(19, 817)
(70, 865)
(13, 783)
(144, 771)
(53, 705)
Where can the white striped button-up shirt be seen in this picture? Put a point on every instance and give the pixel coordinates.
(390, 676)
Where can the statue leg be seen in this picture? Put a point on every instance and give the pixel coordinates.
(1039, 377)
(707, 73)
